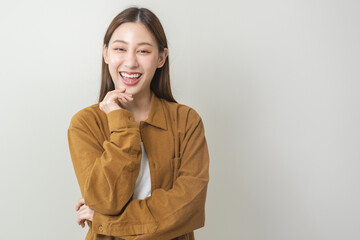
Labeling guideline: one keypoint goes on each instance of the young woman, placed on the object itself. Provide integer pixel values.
(141, 158)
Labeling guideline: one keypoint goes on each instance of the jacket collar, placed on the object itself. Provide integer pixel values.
(156, 115)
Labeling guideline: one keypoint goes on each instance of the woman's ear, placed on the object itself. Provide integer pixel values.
(105, 55)
(162, 57)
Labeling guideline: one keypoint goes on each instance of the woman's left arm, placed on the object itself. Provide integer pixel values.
(168, 213)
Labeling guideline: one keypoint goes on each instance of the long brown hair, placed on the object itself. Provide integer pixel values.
(160, 83)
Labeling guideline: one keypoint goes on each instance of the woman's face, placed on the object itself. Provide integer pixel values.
(133, 57)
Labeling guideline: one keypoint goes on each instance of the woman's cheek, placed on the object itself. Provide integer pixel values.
(114, 58)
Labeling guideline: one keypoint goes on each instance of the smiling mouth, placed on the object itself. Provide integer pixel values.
(130, 77)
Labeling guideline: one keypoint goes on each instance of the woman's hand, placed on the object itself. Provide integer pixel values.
(109, 102)
(84, 212)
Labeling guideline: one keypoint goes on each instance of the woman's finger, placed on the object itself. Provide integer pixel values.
(125, 96)
(110, 95)
(81, 217)
(129, 97)
(117, 94)
(81, 209)
(79, 220)
(82, 223)
(110, 99)
(113, 99)
(80, 202)
(122, 98)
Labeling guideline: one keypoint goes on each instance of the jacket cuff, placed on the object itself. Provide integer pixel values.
(119, 119)
(102, 225)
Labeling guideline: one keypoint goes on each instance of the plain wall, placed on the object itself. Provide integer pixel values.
(276, 83)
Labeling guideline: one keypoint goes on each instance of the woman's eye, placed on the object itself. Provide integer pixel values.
(143, 51)
(120, 49)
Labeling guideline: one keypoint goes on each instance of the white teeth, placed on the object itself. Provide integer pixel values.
(130, 75)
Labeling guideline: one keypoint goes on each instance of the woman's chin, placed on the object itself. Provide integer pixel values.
(129, 89)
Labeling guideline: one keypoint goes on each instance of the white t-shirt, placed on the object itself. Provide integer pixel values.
(143, 182)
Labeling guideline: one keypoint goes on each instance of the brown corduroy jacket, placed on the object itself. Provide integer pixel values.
(106, 154)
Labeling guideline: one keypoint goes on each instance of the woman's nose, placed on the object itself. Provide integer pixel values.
(130, 60)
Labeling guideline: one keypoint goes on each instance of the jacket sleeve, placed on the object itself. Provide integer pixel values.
(168, 214)
(106, 170)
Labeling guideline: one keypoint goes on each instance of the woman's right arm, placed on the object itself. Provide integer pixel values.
(106, 171)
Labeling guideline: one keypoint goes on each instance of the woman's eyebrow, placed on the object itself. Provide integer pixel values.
(141, 43)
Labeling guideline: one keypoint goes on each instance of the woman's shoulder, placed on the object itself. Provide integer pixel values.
(181, 112)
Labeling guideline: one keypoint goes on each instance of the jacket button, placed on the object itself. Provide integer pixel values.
(100, 228)
(131, 118)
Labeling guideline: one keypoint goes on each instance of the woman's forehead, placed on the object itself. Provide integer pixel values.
(132, 33)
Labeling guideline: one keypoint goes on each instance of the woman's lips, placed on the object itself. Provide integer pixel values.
(129, 78)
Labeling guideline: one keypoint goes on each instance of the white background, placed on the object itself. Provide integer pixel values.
(276, 83)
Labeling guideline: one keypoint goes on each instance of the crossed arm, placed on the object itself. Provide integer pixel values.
(107, 174)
